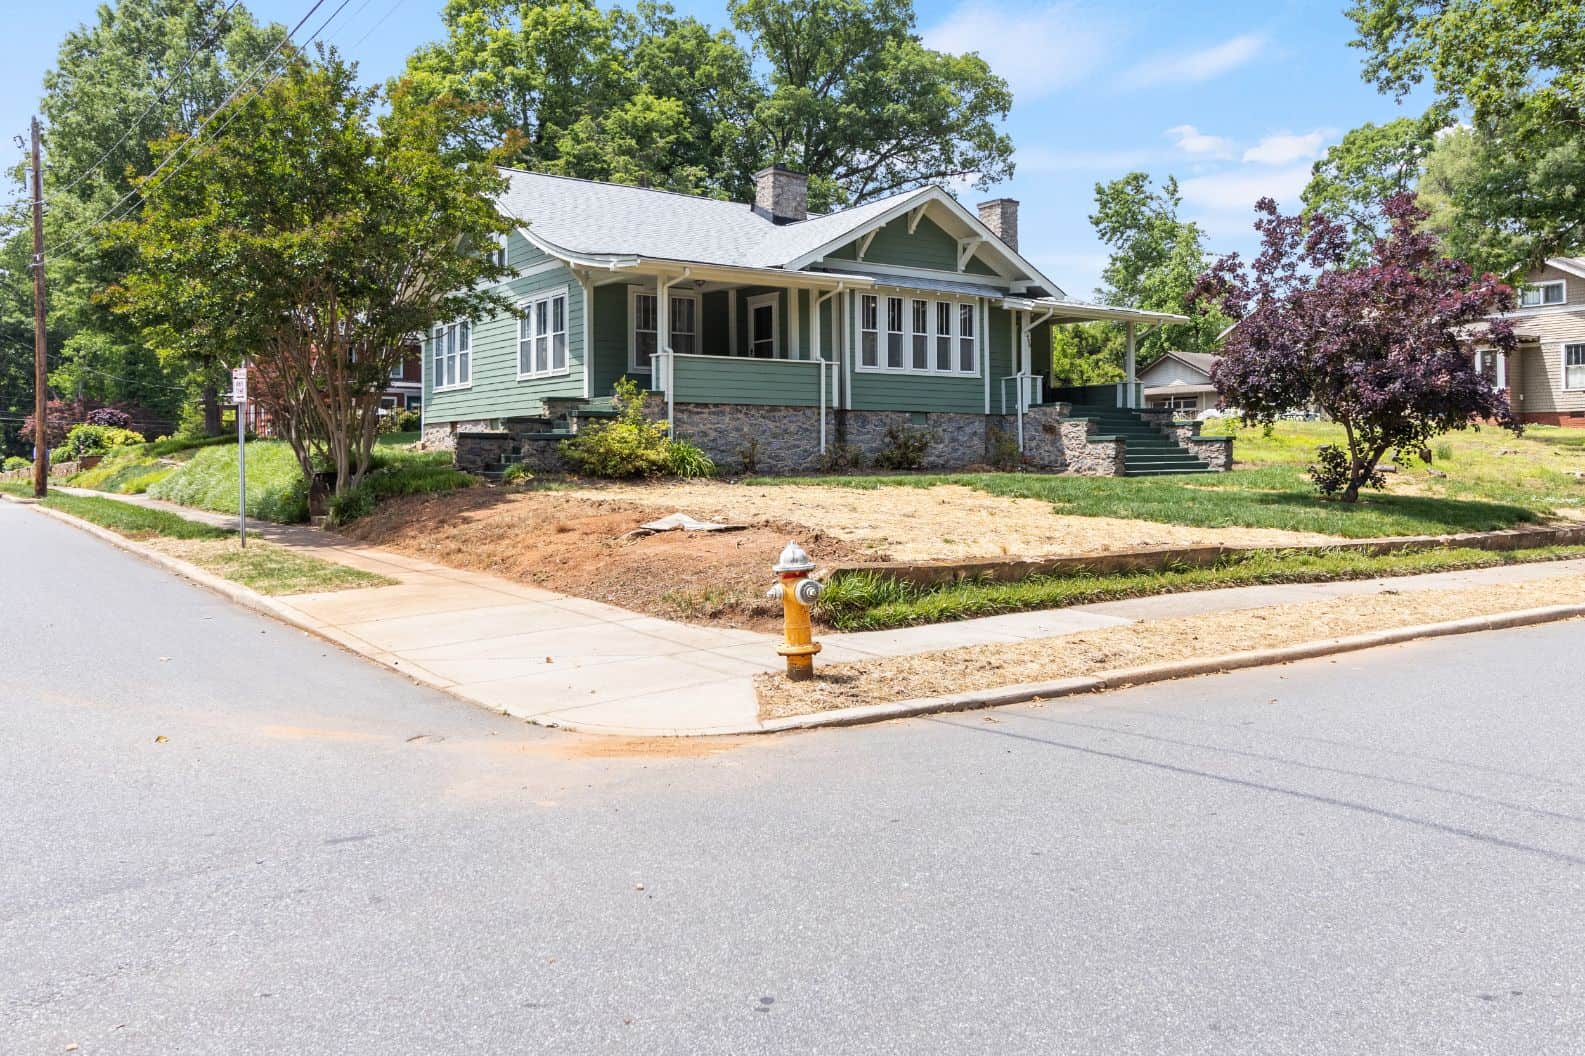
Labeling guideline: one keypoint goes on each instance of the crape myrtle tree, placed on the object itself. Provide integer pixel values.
(315, 239)
(1384, 348)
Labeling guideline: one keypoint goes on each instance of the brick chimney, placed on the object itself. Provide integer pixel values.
(1001, 216)
(781, 195)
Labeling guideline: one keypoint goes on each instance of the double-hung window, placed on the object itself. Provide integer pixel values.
(452, 352)
(542, 335)
(919, 336)
(1542, 294)
(1574, 366)
(644, 341)
(1493, 365)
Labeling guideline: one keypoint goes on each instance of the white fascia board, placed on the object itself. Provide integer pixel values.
(607, 261)
(1565, 265)
(762, 276)
(1077, 310)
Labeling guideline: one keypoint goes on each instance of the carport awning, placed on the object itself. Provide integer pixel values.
(1180, 390)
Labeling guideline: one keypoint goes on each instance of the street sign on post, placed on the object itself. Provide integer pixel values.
(239, 397)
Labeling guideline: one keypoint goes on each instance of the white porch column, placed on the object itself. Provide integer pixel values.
(1130, 370)
(661, 372)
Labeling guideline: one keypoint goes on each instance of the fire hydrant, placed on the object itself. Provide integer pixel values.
(797, 593)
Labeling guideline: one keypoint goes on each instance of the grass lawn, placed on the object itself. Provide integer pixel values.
(261, 566)
(867, 602)
(1493, 480)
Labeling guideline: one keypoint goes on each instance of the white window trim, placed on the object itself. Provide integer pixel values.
(1564, 365)
(503, 250)
(633, 293)
(1561, 283)
(908, 335)
(524, 306)
(774, 301)
(1502, 365)
(431, 356)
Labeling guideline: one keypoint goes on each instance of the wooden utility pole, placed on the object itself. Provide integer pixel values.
(40, 348)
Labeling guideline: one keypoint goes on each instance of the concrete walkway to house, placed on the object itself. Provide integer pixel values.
(566, 661)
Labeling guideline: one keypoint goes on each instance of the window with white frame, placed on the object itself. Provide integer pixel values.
(644, 339)
(498, 255)
(764, 338)
(1543, 294)
(542, 335)
(869, 333)
(1574, 366)
(1493, 365)
(452, 352)
(920, 336)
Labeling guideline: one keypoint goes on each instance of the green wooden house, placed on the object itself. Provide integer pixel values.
(776, 340)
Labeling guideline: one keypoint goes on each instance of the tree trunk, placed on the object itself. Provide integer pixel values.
(211, 398)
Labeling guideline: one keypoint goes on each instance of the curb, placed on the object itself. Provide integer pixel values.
(1014, 694)
(1168, 670)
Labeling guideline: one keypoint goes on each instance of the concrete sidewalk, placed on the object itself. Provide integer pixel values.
(565, 661)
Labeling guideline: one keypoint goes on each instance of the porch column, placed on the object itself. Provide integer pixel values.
(1130, 370)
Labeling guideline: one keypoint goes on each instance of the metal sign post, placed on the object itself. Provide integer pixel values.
(239, 396)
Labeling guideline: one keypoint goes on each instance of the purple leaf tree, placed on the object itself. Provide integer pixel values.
(1385, 349)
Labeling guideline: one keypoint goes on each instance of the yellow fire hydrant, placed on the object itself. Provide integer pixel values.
(797, 593)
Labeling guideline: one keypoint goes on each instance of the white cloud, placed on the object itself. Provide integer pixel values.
(1196, 66)
(1284, 148)
(1238, 190)
(1191, 140)
(1037, 50)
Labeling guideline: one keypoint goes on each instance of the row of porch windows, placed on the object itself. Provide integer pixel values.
(920, 335)
(1494, 366)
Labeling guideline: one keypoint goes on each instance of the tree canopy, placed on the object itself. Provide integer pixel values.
(1514, 73)
(1369, 166)
(316, 238)
(1156, 258)
(842, 90)
(1385, 348)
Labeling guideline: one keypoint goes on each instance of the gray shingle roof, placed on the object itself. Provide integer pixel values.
(597, 219)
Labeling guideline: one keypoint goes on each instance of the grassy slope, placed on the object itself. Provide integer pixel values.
(208, 481)
(261, 566)
(1484, 489)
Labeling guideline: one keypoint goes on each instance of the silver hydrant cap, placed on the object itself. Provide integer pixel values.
(793, 559)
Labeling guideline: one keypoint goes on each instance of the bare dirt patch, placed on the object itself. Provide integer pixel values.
(944, 522)
(577, 541)
(580, 543)
(1115, 648)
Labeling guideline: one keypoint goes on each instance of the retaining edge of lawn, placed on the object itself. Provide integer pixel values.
(1169, 670)
(1155, 558)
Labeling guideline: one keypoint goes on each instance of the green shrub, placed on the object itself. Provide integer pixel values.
(903, 447)
(514, 473)
(14, 463)
(687, 461)
(85, 440)
(1004, 450)
(277, 490)
(415, 473)
(841, 458)
(633, 445)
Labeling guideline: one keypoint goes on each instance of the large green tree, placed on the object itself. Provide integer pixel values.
(1156, 258)
(1514, 72)
(841, 89)
(139, 71)
(853, 98)
(315, 237)
(1368, 166)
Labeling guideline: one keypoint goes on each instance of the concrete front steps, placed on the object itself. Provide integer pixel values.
(1147, 452)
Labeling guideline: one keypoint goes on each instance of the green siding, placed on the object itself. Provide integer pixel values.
(496, 392)
(927, 247)
(610, 339)
(762, 382)
(1001, 357)
(976, 266)
(917, 392)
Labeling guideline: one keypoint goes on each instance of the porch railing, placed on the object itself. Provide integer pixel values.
(692, 378)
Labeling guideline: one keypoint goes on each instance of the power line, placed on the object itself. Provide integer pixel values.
(159, 98)
(198, 133)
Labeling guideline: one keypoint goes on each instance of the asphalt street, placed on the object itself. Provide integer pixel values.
(221, 835)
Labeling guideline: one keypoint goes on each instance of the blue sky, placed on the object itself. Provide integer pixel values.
(1235, 99)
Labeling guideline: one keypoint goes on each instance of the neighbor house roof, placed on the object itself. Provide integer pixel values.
(1200, 361)
(1572, 265)
(605, 222)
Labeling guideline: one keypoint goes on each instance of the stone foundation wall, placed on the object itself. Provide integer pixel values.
(442, 436)
(1215, 451)
(542, 454)
(1087, 457)
(477, 452)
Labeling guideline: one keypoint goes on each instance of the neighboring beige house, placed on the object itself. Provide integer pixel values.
(1545, 378)
(1180, 381)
